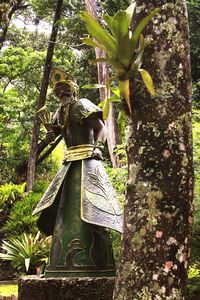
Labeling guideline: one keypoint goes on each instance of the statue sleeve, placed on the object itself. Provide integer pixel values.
(84, 109)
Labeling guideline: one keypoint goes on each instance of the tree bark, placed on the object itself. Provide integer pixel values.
(42, 97)
(102, 68)
(158, 208)
(17, 6)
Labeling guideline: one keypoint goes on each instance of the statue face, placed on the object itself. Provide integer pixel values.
(63, 92)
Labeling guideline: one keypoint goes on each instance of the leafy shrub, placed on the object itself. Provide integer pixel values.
(118, 177)
(193, 287)
(40, 185)
(20, 219)
(26, 252)
(195, 253)
(10, 192)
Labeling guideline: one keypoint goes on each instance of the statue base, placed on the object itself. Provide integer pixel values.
(85, 288)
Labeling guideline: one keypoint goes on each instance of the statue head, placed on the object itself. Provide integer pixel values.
(64, 86)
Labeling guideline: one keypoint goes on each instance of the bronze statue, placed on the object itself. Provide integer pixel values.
(80, 203)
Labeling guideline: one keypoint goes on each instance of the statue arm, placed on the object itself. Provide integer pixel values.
(100, 134)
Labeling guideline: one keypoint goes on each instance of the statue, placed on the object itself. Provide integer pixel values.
(80, 204)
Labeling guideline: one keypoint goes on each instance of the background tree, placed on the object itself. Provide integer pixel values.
(103, 76)
(42, 97)
(158, 207)
(7, 9)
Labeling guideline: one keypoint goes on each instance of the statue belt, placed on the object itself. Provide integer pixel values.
(79, 152)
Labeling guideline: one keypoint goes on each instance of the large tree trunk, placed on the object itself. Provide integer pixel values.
(158, 207)
(42, 97)
(102, 68)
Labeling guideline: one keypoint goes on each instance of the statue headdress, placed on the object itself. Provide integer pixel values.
(60, 76)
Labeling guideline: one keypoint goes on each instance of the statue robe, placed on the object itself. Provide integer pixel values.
(80, 202)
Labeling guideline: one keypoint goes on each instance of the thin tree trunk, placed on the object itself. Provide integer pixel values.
(113, 137)
(158, 209)
(42, 97)
(5, 26)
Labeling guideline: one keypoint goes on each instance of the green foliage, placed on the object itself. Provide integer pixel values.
(196, 95)
(9, 192)
(194, 273)
(195, 259)
(194, 24)
(124, 47)
(26, 252)
(20, 219)
(118, 177)
(193, 290)
(20, 69)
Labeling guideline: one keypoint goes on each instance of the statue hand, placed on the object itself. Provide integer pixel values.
(50, 136)
(97, 154)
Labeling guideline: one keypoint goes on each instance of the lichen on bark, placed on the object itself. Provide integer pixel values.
(158, 206)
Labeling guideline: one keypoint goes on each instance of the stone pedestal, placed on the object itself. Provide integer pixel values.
(66, 288)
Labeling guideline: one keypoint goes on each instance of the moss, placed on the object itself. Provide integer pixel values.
(154, 213)
(137, 240)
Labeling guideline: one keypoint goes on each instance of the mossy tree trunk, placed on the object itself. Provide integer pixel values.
(158, 207)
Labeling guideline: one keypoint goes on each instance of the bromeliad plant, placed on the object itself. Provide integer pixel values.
(27, 252)
(123, 46)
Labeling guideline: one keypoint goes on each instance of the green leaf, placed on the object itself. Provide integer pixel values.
(125, 51)
(125, 92)
(99, 33)
(142, 24)
(93, 86)
(146, 77)
(109, 20)
(141, 43)
(137, 60)
(114, 98)
(116, 91)
(129, 11)
(106, 109)
(121, 121)
(115, 63)
(89, 42)
(101, 104)
(120, 24)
